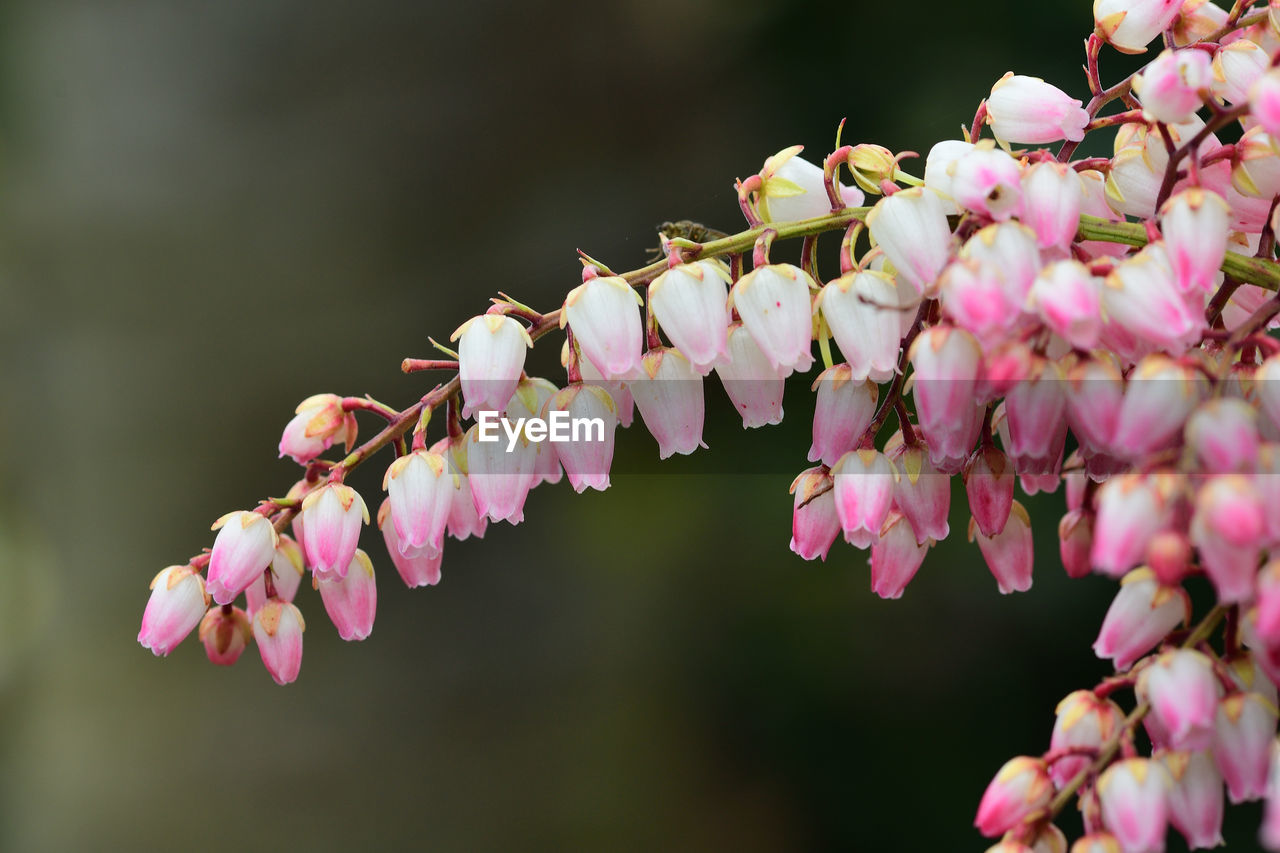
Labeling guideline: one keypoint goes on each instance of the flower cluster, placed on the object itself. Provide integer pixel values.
(1016, 316)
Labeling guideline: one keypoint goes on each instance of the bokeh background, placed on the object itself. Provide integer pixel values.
(209, 211)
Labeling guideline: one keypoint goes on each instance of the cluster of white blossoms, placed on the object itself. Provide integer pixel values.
(1016, 316)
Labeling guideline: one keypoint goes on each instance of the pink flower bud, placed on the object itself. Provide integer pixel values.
(491, 351)
(501, 473)
(938, 168)
(1009, 845)
(1034, 413)
(1195, 797)
(1195, 224)
(690, 302)
(973, 296)
(176, 605)
(1017, 794)
(1141, 295)
(896, 556)
(988, 484)
(1142, 614)
(619, 392)
(864, 483)
(1003, 367)
(1133, 794)
(1244, 729)
(319, 422)
(245, 546)
(1235, 68)
(923, 493)
(1011, 248)
(1183, 692)
(1097, 842)
(1029, 110)
(1170, 87)
(287, 569)
(1169, 556)
(1158, 398)
(863, 311)
(602, 315)
(775, 307)
(794, 188)
(842, 413)
(1095, 395)
(587, 457)
(1009, 554)
(352, 600)
(464, 521)
(1132, 508)
(752, 383)
(420, 487)
(911, 228)
(332, 514)
(277, 628)
(1068, 300)
(1223, 433)
(947, 364)
(987, 180)
(419, 567)
(1227, 529)
(1130, 25)
(814, 521)
(530, 398)
(1052, 195)
(1075, 540)
(1084, 721)
(1264, 101)
(671, 401)
(225, 631)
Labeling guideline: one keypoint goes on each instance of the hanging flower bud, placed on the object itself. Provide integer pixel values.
(1130, 25)
(690, 304)
(491, 350)
(1018, 793)
(947, 364)
(1052, 194)
(1132, 508)
(842, 413)
(501, 473)
(332, 515)
(871, 165)
(1029, 110)
(619, 392)
(586, 458)
(793, 188)
(863, 311)
(530, 398)
(896, 556)
(1034, 417)
(602, 314)
(352, 600)
(1235, 68)
(938, 169)
(774, 304)
(750, 380)
(1169, 556)
(988, 484)
(671, 401)
(1171, 85)
(176, 605)
(1068, 299)
(1195, 797)
(464, 521)
(1223, 433)
(1195, 224)
(225, 631)
(1264, 101)
(864, 482)
(1183, 692)
(1227, 529)
(287, 569)
(1158, 398)
(419, 567)
(245, 546)
(1011, 248)
(1097, 842)
(987, 180)
(1142, 614)
(1133, 794)
(419, 486)
(1009, 554)
(974, 297)
(1244, 730)
(277, 628)
(319, 422)
(923, 493)
(1075, 541)
(1141, 295)
(1084, 721)
(814, 521)
(911, 228)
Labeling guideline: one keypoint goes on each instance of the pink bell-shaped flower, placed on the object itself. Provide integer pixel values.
(776, 309)
(1097, 842)
(814, 520)
(175, 608)
(319, 422)
(245, 546)
(1075, 540)
(988, 181)
(352, 600)
(1009, 554)
(225, 631)
(988, 483)
(602, 314)
(528, 401)
(1196, 224)
(1084, 721)
(1052, 195)
(1134, 796)
(1141, 295)
(1223, 432)
(1132, 508)
(287, 569)
(938, 169)
(1019, 791)
(1010, 248)
(1264, 101)
(1227, 529)
(864, 484)
(793, 188)
(332, 515)
(911, 228)
(501, 473)
(671, 401)
(922, 493)
(588, 454)
(1029, 110)
(1095, 391)
(419, 567)
(1170, 86)
(947, 364)
(844, 409)
(1158, 398)
(1067, 298)
(974, 297)
(896, 556)
(491, 351)
(752, 383)
(277, 629)
(1244, 730)
(420, 488)
(690, 302)
(864, 310)
(1130, 25)
(1142, 614)
(1183, 692)
(1195, 797)
(464, 521)
(1034, 413)
(618, 391)
(1235, 68)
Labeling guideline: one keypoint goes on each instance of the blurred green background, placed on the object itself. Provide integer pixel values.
(212, 211)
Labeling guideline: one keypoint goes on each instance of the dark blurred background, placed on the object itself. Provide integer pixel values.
(212, 211)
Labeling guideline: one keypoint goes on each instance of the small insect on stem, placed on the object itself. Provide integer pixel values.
(689, 230)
